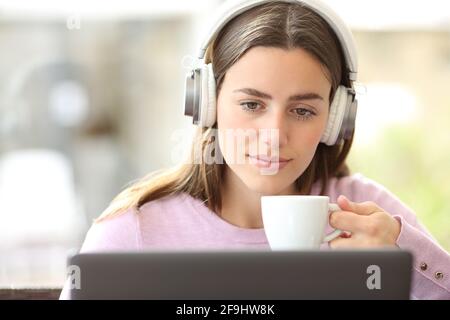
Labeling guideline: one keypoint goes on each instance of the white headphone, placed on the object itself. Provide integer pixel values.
(200, 90)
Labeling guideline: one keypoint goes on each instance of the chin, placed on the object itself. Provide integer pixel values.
(267, 185)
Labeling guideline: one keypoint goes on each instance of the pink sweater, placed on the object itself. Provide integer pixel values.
(183, 222)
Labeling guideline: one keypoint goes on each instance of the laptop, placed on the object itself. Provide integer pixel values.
(242, 275)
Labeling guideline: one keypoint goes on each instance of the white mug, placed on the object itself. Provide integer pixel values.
(294, 222)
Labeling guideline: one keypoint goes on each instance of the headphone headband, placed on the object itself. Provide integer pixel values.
(231, 9)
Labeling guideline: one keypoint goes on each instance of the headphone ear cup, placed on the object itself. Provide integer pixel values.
(211, 107)
(208, 97)
(335, 117)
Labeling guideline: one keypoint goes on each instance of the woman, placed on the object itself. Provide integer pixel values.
(277, 65)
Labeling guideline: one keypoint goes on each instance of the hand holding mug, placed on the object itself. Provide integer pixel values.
(370, 226)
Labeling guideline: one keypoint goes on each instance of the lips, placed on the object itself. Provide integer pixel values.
(269, 159)
(268, 162)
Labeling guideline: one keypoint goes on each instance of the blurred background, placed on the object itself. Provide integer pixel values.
(91, 98)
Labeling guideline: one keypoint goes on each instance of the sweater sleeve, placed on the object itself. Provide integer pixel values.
(431, 263)
(119, 233)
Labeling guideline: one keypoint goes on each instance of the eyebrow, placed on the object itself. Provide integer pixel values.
(302, 96)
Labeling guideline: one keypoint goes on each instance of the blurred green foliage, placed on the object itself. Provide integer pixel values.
(415, 167)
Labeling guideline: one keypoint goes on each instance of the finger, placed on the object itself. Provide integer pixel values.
(359, 242)
(342, 243)
(362, 208)
(348, 221)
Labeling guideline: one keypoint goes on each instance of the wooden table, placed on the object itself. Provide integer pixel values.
(30, 293)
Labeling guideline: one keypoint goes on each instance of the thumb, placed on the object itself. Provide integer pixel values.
(363, 208)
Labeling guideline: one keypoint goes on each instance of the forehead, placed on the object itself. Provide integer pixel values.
(275, 68)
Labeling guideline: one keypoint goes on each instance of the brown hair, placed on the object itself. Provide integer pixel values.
(275, 24)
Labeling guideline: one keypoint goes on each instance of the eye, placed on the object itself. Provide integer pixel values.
(250, 106)
(303, 114)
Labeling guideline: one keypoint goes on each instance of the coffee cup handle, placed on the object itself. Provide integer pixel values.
(336, 233)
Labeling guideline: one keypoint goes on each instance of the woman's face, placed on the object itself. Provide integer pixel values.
(257, 100)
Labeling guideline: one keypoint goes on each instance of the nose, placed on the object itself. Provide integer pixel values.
(275, 129)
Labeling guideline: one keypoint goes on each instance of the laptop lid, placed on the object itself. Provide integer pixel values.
(252, 275)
